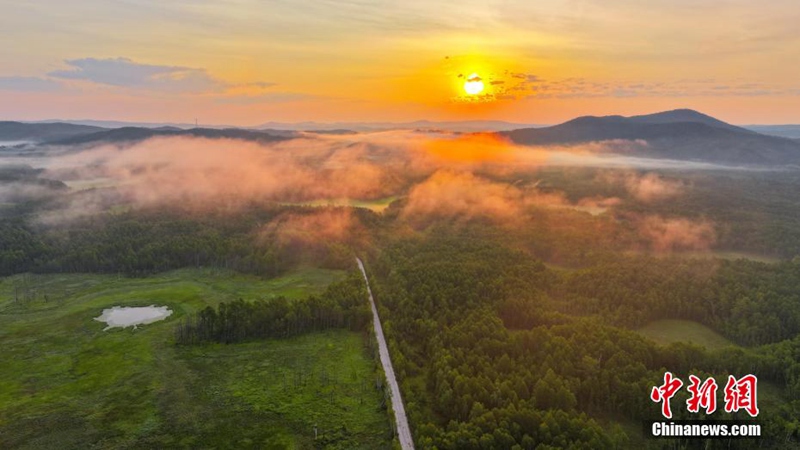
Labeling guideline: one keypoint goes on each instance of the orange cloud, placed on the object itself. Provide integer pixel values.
(677, 233)
(315, 226)
(463, 195)
(651, 187)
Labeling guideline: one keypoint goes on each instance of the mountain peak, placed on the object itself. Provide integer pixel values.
(681, 134)
(683, 115)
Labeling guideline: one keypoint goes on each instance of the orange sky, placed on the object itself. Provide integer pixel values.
(245, 62)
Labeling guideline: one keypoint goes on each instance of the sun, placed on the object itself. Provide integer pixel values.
(473, 85)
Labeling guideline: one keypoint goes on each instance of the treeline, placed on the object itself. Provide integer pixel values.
(132, 245)
(749, 302)
(752, 211)
(490, 358)
(143, 242)
(342, 305)
(468, 381)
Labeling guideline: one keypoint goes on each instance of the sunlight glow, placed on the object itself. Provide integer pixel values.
(473, 85)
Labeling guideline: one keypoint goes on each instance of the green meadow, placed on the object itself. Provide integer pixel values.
(377, 205)
(65, 383)
(666, 332)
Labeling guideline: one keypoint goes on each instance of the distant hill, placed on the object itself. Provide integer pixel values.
(681, 134)
(22, 176)
(684, 115)
(319, 127)
(41, 132)
(123, 124)
(787, 131)
(133, 134)
(462, 126)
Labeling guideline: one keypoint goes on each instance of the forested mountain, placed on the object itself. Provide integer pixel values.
(787, 131)
(684, 115)
(458, 126)
(681, 135)
(42, 132)
(133, 134)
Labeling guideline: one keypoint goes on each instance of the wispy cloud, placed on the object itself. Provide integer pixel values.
(531, 86)
(124, 73)
(28, 84)
(128, 73)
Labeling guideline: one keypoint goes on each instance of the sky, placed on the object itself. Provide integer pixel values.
(246, 62)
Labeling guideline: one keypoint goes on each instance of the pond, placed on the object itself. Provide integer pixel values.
(125, 316)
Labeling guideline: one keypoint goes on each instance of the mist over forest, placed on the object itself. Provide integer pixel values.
(533, 284)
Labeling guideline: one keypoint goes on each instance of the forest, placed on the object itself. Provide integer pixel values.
(503, 337)
(138, 243)
(497, 351)
(340, 306)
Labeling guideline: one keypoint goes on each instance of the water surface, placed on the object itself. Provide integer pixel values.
(125, 316)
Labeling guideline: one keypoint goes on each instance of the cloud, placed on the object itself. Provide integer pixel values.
(480, 148)
(317, 226)
(124, 72)
(449, 194)
(671, 234)
(459, 177)
(581, 88)
(465, 196)
(128, 74)
(197, 174)
(648, 188)
(438, 175)
(597, 205)
(21, 192)
(521, 85)
(651, 187)
(360, 166)
(28, 84)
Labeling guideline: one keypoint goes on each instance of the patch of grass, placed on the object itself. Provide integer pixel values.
(377, 205)
(732, 256)
(293, 385)
(668, 331)
(710, 254)
(65, 383)
(192, 288)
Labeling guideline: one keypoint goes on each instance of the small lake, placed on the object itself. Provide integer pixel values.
(125, 316)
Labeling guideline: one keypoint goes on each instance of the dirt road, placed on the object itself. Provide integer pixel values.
(403, 431)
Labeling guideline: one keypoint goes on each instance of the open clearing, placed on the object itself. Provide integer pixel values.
(377, 205)
(668, 331)
(65, 383)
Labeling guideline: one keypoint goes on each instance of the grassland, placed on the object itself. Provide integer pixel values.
(711, 254)
(732, 256)
(65, 383)
(668, 331)
(377, 205)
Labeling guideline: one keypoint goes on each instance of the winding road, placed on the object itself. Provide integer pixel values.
(403, 431)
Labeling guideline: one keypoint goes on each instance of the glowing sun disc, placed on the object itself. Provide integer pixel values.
(473, 85)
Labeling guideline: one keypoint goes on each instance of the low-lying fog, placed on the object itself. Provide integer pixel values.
(440, 174)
